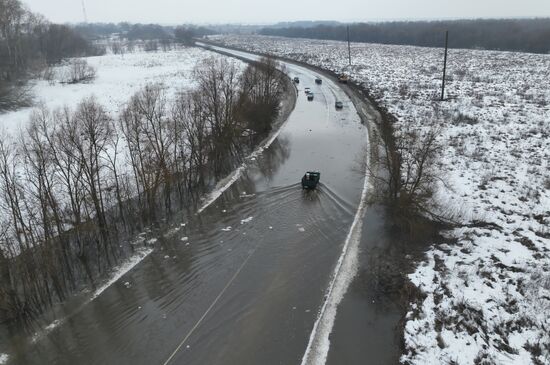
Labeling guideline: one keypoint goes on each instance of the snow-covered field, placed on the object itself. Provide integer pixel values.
(487, 296)
(118, 78)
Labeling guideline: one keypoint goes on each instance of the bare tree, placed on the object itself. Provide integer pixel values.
(407, 173)
(190, 117)
(89, 139)
(151, 46)
(144, 126)
(263, 83)
(78, 71)
(117, 48)
(218, 84)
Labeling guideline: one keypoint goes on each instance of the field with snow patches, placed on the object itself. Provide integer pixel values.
(486, 298)
(118, 78)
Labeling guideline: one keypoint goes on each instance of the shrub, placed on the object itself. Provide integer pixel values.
(78, 71)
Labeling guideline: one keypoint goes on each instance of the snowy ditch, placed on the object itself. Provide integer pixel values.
(485, 298)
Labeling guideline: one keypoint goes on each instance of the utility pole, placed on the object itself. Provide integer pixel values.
(444, 66)
(84, 12)
(349, 48)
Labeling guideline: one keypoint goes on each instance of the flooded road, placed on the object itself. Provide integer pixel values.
(243, 281)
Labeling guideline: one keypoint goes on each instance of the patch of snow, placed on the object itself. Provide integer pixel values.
(227, 229)
(122, 270)
(3, 359)
(246, 220)
(222, 186)
(172, 232)
(47, 330)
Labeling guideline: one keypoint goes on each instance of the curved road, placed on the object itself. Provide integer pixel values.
(248, 285)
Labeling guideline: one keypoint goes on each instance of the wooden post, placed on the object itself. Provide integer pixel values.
(349, 48)
(444, 66)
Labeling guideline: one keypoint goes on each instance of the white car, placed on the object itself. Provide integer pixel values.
(307, 90)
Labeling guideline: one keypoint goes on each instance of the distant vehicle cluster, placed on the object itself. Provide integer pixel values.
(343, 78)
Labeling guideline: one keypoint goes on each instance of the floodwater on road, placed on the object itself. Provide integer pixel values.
(242, 282)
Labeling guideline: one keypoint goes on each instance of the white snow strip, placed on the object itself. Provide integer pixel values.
(246, 220)
(222, 187)
(346, 268)
(122, 270)
(49, 328)
(3, 359)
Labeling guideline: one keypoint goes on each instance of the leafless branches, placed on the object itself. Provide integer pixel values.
(77, 181)
(406, 174)
(78, 71)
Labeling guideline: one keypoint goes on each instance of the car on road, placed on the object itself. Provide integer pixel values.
(338, 104)
(311, 179)
(307, 90)
(310, 96)
(296, 80)
(318, 81)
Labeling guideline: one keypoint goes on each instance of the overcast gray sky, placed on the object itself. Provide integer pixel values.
(260, 11)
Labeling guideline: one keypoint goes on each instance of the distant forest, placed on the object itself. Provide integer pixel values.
(94, 31)
(524, 35)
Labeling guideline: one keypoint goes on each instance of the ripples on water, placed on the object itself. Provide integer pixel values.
(171, 287)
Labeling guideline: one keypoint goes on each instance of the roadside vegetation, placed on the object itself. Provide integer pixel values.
(79, 181)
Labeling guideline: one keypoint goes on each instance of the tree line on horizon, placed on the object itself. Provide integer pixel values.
(523, 35)
(138, 31)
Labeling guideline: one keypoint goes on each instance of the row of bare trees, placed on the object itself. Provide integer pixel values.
(77, 182)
